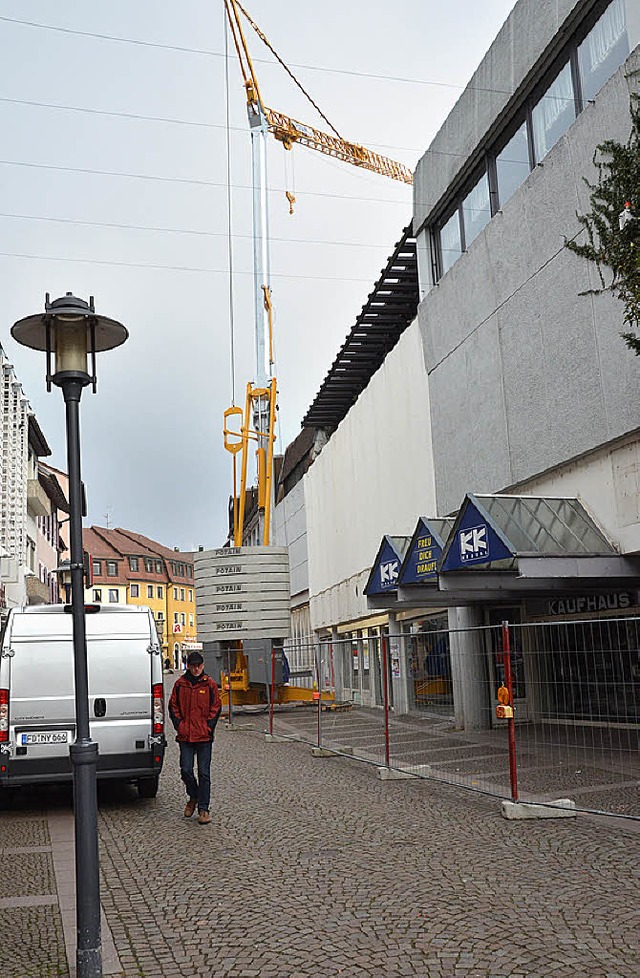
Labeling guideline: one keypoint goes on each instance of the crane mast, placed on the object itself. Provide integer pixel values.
(257, 421)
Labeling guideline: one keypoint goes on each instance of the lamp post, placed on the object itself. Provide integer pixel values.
(71, 331)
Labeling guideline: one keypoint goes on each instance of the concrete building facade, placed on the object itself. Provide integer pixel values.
(510, 379)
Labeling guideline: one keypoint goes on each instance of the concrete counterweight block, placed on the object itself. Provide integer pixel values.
(518, 810)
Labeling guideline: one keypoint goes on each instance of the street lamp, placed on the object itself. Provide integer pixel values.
(71, 331)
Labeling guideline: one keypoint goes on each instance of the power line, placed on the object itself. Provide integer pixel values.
(168, 120)
(189, 181)
(166, 230)
(174, 268)
(183, 49)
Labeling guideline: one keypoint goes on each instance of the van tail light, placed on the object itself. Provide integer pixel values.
(4, 716)
(158, 708)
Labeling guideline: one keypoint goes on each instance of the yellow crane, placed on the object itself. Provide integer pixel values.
(257, 421)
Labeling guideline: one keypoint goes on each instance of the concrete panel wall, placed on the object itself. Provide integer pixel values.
(524, 372)
(525, 36)
(374, 476)
(608, 481)
(290, 530)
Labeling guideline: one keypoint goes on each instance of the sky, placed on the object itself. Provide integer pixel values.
(126, 175)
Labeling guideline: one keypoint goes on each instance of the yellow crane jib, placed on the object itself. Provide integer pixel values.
(290, 131)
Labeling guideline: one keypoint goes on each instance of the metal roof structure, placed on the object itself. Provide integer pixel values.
(389, 309)
(547, 525)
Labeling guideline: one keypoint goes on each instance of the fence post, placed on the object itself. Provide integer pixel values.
(318, 691)
(511, 723)
(273, 688)
(385, 696)
(229, 693)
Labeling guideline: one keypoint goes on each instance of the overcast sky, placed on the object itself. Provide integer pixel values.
(114, 184)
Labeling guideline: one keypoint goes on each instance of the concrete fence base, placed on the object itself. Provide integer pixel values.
(518, 810)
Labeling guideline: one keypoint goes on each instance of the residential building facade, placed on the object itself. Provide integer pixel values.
(129, 568)
(29, 530)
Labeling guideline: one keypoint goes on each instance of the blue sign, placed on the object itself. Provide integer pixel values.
(421, 563)
(475, 540)
(386, 569)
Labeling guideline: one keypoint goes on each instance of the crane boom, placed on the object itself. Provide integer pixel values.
(290, 131)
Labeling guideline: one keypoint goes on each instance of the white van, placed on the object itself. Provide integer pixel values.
(37, 699)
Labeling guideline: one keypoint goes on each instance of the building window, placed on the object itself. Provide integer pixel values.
(183, 618)
(513, 165)
(476, 210)
(160, 591)
(182, 594)
(160, 616)
(97, 594)
(603, 50)
(133, 563)
(191, 621)
(97, 568)
(554, 113)
(190, 595)
(148, 565)
(149, 590)
(134, 590)
(450, 242)
(158, 567)
(175, 618)
(175, 594)
(112, 568)
(585, 68)
(114, 597)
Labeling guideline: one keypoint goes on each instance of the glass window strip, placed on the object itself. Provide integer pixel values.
(607, 39)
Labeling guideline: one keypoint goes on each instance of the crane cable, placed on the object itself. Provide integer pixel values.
(266, 41)
(229, 218)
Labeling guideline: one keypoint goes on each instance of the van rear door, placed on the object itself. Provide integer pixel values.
(41, 687)
(119, 650)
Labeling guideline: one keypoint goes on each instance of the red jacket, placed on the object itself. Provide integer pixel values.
(194, 708)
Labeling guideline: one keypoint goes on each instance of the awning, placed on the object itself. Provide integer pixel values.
(383, 579)
(503, 549)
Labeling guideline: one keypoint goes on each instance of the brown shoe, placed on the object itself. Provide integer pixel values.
(190, 807)
(204, 818)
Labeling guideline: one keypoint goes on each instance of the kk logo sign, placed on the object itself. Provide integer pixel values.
(474, 544)
(389, 573)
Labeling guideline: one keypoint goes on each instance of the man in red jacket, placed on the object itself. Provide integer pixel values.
(194, 709)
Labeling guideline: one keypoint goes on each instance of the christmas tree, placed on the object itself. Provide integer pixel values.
(613, 225)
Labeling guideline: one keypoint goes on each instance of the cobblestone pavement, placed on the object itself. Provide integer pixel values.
(599, 770)
(314, 868)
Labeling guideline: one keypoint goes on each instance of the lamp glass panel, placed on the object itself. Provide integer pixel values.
(70, 345)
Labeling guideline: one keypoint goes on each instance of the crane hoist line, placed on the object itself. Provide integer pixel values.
(256, 423)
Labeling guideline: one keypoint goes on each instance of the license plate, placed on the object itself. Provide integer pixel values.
(59, 737)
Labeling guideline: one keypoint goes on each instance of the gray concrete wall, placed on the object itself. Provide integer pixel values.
(524, 373)
(529, 31)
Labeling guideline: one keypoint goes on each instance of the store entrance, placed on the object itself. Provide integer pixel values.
(589, 670)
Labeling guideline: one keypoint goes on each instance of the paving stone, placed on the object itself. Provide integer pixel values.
(319, 870)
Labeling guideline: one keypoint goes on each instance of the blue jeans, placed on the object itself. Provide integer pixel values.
(200, 789)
